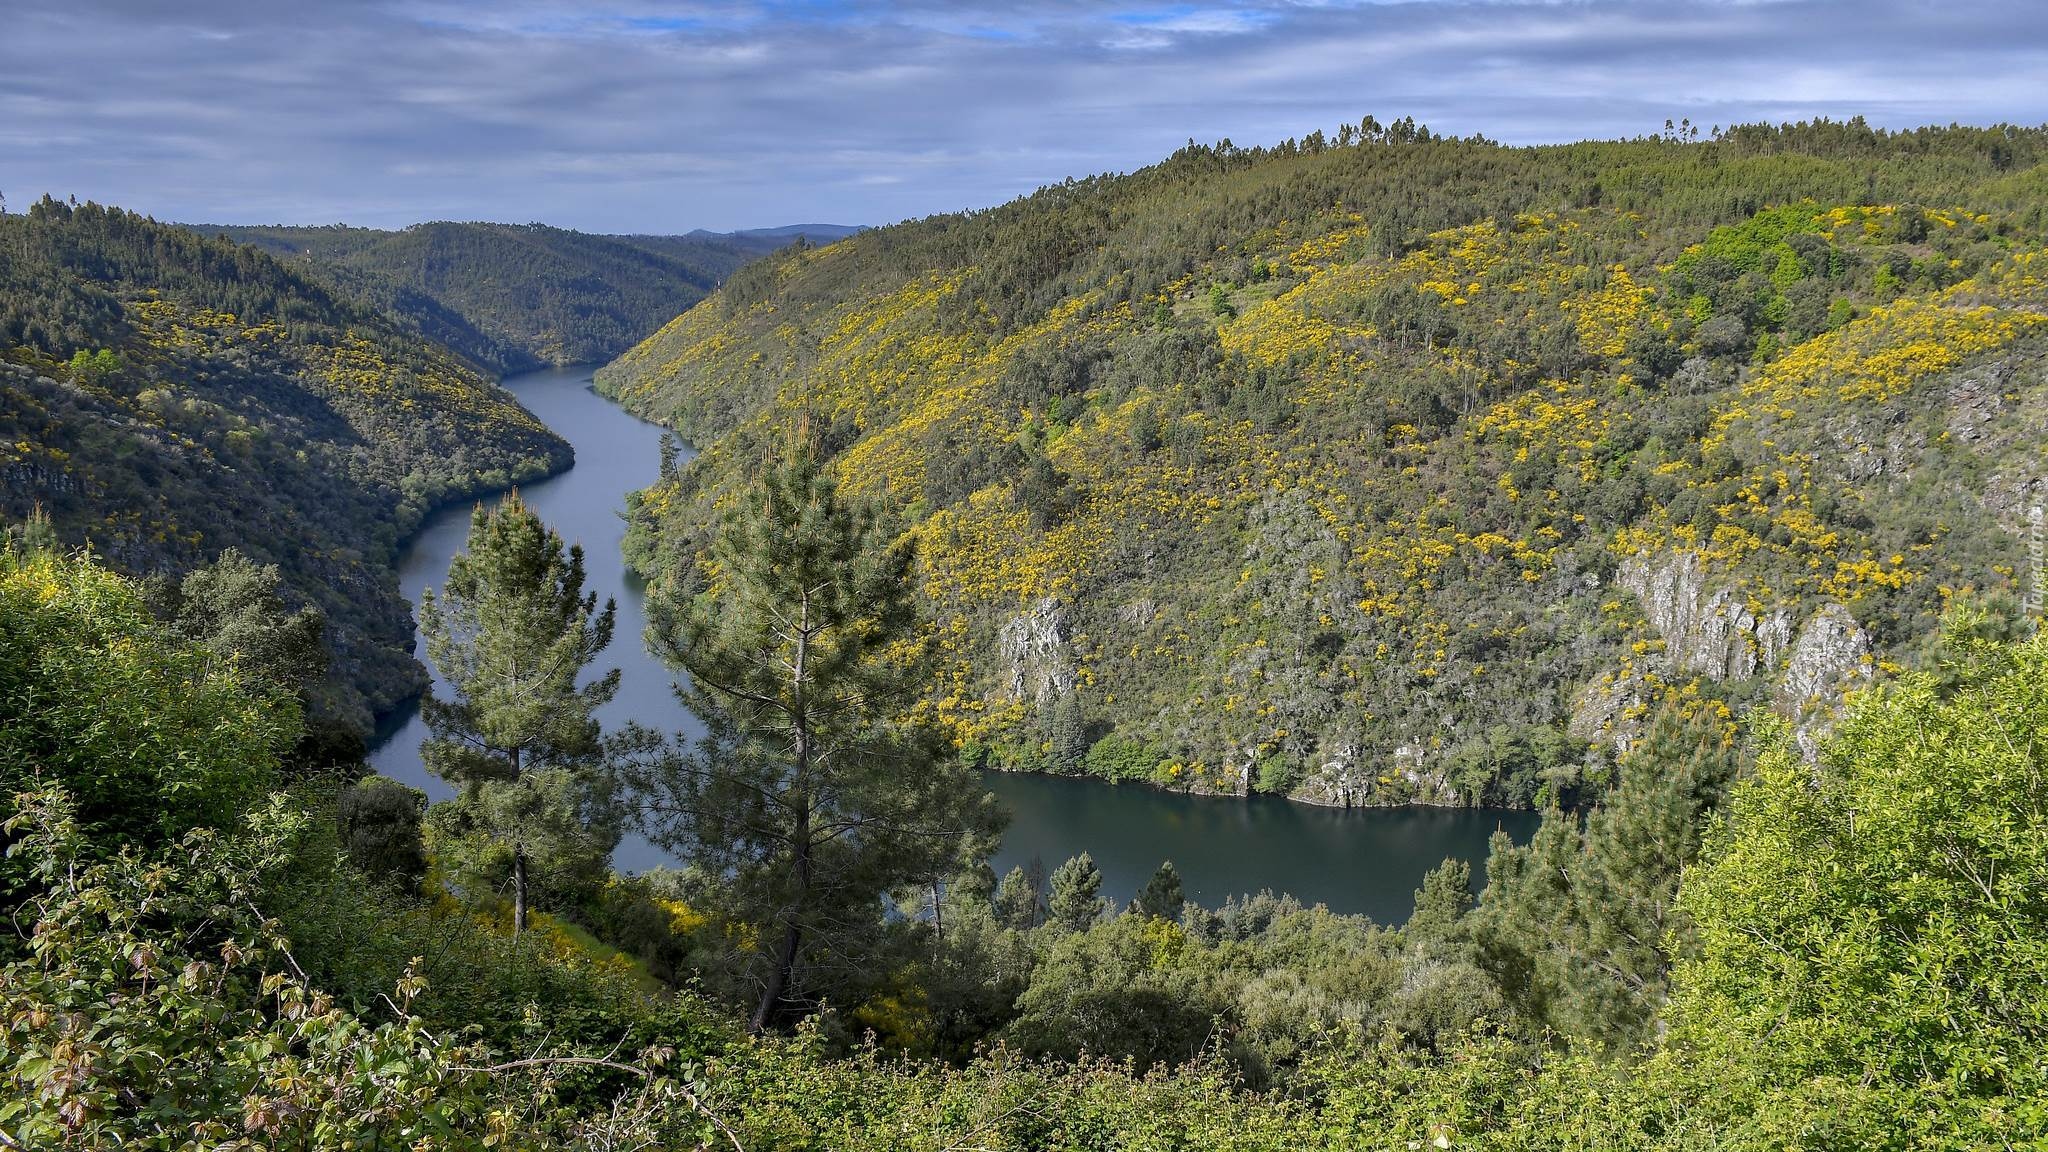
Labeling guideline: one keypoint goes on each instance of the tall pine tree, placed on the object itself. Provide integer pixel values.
(1161, 897)
(813, 790)
(512, 631)
(1575, 927)
(1077, 899)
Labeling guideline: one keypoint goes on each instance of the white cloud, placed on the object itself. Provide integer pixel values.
(651, 115)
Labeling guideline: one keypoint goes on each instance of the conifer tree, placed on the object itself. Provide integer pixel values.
(1441, 902)
(511, 632)
(1575, 926)
(1018, 902)
(813, 789)
(1077, 893)
(1069, 734)
(35, 534)
(1161, 897)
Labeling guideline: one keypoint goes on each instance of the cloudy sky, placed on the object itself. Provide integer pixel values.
(658, 116)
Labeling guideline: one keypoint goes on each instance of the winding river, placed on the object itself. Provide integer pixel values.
(1360, 860)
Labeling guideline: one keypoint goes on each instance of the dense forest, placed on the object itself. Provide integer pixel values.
(165, 397)
(1380, 467)
(513, 298)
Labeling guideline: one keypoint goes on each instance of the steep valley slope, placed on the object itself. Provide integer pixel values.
(1382, 467)
(513, 297)
(165, 396)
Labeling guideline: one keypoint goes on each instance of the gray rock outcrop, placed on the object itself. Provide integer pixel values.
(1033, 650)
(1708, 631)
(1831, 657)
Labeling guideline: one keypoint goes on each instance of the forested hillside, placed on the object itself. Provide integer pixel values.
(1382, 467)
(165, 396)
(516, 297)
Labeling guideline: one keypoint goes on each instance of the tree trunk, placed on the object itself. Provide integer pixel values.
(766, 1011)
(800, 836)
(518, 889)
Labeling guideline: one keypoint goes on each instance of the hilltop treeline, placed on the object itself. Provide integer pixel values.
(165, 396)
(1379, 466)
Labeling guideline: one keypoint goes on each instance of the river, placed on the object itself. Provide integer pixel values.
(1359, 860)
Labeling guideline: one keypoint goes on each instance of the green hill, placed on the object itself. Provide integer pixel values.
(511, 297)
(1385, 467)
(164, 396)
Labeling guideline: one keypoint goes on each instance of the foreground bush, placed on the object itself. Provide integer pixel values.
(157, 1007)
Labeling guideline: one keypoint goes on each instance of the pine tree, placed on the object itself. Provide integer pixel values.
(1018, 903)
(671, 452)
(1077, 894)
(35, 534)
(511, 631)
(1637, 842)
(1069, 734)
(813, 789)
(1575, 926)
(1161, 897)
(1441, 902)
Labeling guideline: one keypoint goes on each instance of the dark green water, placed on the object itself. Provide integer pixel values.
(1362, 860)
(1356, 860)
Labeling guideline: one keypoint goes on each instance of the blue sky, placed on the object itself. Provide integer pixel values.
(652, 116)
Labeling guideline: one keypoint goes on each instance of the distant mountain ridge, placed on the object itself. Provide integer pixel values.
(513, 297)
(815, 233)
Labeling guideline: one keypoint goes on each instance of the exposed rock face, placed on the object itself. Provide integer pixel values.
(1831, 657)
(1987, 414)
(1406, 777)
(1708, 632)
(1033, 649)
(1607, 710)
(1338, 783)
(1977, 403)
(1139, 613)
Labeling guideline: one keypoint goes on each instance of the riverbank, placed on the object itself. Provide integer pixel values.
(1366, 860)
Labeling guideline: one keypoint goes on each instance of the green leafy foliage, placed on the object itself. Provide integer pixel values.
(157, 1007)
(148, 1000)
(1854, 957)
(378, 821)
(1871, 957)
(148, 738)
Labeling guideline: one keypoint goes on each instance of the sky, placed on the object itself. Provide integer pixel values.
(656, 116)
